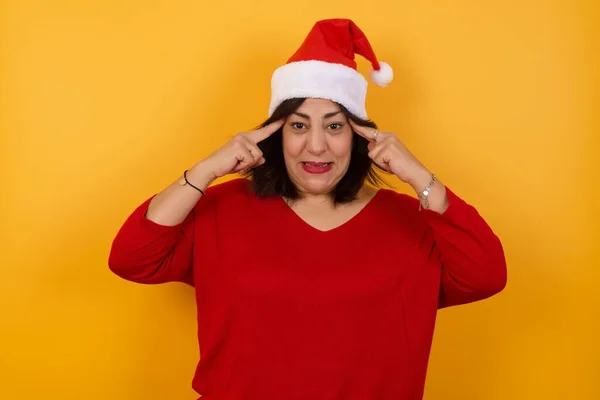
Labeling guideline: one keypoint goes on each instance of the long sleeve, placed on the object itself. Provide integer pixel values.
(146, 252)
(472, 256)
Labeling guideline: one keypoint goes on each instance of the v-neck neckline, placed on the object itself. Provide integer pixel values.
(295, 218)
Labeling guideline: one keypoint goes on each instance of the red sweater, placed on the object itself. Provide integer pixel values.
(286, 311)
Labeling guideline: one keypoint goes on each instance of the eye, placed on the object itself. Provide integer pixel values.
(298, 125)
(336, 126)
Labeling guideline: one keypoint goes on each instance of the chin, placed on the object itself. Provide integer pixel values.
(318, 184)
(317, 187)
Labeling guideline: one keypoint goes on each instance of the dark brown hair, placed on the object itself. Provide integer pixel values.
(272, 179)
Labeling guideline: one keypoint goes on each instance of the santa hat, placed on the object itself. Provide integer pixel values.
(324, 67)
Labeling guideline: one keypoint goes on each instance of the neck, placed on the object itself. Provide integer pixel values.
(312, 200)
(323, 200)
(317, 200)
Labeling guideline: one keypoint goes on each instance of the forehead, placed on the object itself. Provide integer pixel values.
(318, 107)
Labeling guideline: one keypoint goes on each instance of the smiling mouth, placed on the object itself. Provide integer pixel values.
(317, 164)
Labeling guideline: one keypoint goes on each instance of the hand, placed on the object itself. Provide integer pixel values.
(240, 153)
(388, 152)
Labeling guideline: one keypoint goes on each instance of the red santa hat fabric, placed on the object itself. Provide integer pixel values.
(324, 66)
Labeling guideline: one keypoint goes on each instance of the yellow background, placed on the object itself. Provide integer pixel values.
(103, 103)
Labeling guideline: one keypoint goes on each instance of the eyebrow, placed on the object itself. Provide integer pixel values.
(328, 115)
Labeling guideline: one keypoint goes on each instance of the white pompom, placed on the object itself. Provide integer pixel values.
(383, 76)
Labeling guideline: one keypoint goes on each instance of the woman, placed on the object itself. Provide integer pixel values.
(311, 284)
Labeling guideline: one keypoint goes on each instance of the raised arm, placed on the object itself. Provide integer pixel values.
(471, 255)
(155, 244)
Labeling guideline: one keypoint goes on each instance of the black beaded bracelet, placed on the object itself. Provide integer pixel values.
(185, 181)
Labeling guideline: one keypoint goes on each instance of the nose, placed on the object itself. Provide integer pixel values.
(316, 141)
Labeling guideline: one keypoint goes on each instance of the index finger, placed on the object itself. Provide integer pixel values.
(363, 131)
(266, 131)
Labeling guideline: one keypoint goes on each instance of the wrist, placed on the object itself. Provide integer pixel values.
(200, 175)
(421, 179)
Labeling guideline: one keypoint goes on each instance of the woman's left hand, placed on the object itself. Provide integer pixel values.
(387, 151)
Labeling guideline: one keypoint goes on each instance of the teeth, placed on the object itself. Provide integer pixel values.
(317, 164)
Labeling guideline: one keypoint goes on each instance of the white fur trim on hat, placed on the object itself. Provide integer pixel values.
(318, 79)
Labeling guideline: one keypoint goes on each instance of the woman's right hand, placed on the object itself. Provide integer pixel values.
(173, 204)
(238, 154)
